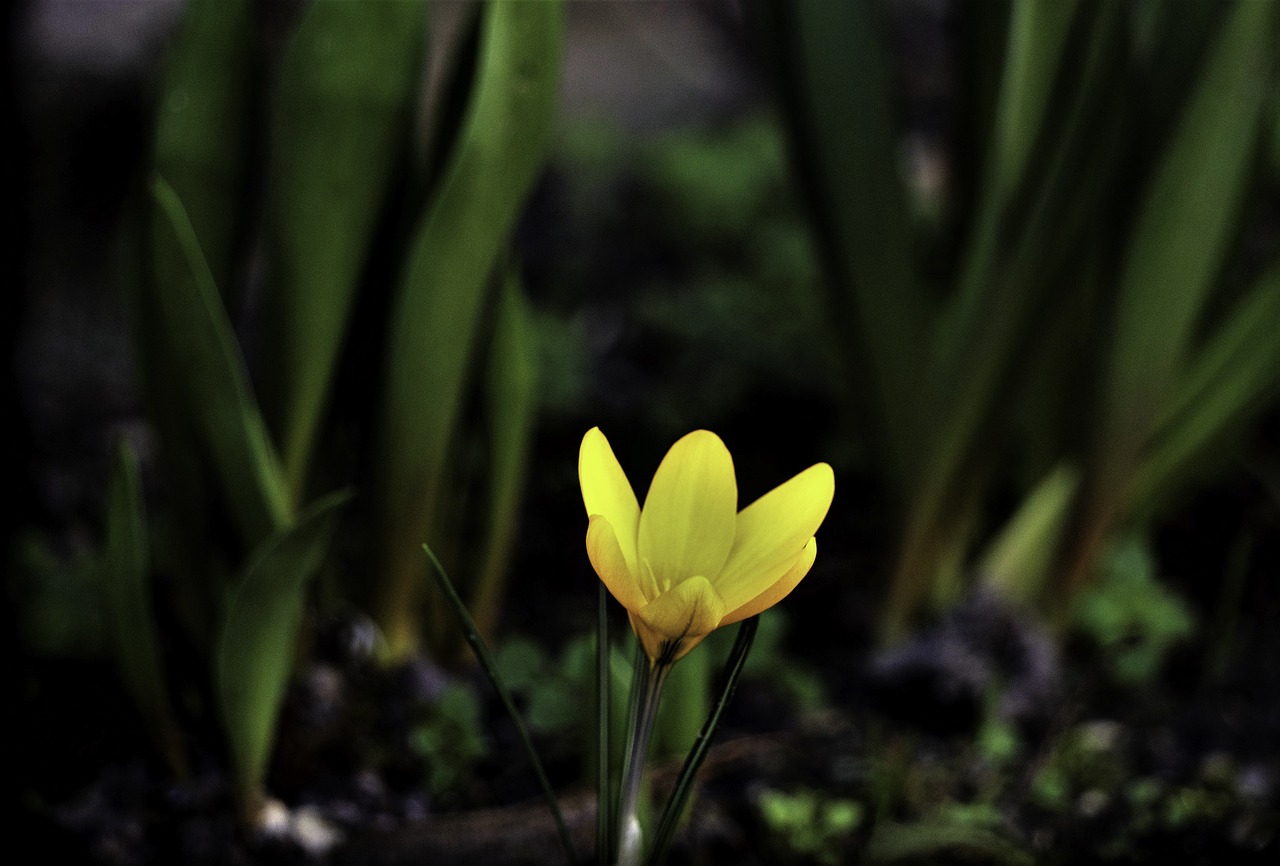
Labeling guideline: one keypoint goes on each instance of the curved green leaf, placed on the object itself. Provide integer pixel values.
(1184, 228)
(342, 112)
(203, 131)
(835, 85)
(196, 347)
(436, 317)
(127, 593)
(1231, 377)
(255, 653)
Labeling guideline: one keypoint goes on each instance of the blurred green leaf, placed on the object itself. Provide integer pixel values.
(938, 839)
(204, 127)
(1133, 619)
(195, 347)
(342, 113)
(1183, 230)
(436, 316)
(1036, 41)
(835, 83)
(452, 740)
(511, 392)
(1232, 376)
(255, 654)
(127, 595)
(1019, 560)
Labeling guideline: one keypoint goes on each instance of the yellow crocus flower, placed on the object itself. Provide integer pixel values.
(689, 561)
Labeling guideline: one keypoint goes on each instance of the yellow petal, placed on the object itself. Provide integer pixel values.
(607, 559)
(780, 589)
(687, 524)
(607, 492)
(772, 531)
(676, 621)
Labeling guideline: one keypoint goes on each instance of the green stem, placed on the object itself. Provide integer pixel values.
(646, 710)
(478, 646)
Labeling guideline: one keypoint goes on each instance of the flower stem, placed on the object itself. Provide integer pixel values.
(646, 711)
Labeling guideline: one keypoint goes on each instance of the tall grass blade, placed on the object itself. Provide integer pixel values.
(197, 349)
(684, 784)
(1183, 230)
(1037, 39)
(478, 646)
(127, 594)
(835, 83)
(256, 652)
(1235, 375)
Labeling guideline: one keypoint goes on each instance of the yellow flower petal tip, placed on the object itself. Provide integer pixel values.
(689, 562)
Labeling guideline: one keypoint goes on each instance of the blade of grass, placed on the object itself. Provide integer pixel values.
(481, 650)
(256, 651)
(684, 784)
(1180, 238)
(130, 612)
(1236, 374)
(994, 317)
(835, 86)
(1183, 231)
(1037, 37)
(435, 318)
(203, 128)
(198, 349)
(342, 112)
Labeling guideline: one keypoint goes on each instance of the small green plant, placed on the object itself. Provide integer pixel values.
(451, 739)
(808, 827)
(1130, 616)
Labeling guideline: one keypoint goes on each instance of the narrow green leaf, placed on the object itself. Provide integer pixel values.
(436, 316)
(1019, 560)
(684, 783)
(130, 614)
(203, 132)
(835, 86)
(196, 347)
(342, 113)
(478, 646)
(1037, 36)
(256, 651)
(1236, 374)
(511, 409)
(1183, 230)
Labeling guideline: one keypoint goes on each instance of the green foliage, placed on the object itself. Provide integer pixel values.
(434, 326)
(296, 245)
(742, 309)
(127, 596)
(50, 593)
(451, 739)
(1132, 618)
(1097, 322)
(256, 648)
(550, 691)
(805, 825)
